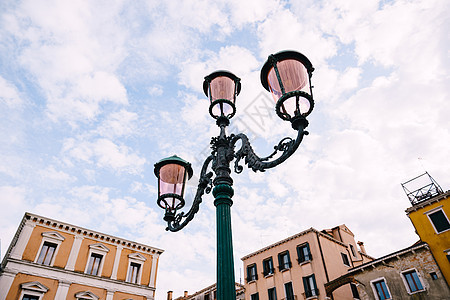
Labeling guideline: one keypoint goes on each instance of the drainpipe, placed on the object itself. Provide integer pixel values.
(323, 261)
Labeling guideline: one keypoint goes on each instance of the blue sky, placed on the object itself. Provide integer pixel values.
(92, 94)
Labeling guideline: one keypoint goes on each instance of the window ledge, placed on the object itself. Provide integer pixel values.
(268, 275)
(417, 292)
(251, 281)
(305, 262)
(284, 270)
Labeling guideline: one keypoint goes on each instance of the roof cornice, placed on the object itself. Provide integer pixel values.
(420, 205)
(310, 230)
(101, 237)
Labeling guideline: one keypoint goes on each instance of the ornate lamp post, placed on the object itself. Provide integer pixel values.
(287, 75)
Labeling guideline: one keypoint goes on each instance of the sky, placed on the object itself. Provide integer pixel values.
(94, 93)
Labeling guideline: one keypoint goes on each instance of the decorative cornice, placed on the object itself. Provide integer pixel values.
(101, 237)
(310, 230)
(30, 268)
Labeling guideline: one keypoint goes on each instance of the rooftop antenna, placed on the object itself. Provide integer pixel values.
(421, 188)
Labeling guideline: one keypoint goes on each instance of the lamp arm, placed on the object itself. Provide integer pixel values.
(287, 145)
(204, 186)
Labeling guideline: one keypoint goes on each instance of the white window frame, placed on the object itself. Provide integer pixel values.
(33, 288)
(348, 259)
(136, 258)
(374, 290)
(405, 282)
(99, 249)
(352, 250)
(86, 295)
(436, 209)
(51, 237)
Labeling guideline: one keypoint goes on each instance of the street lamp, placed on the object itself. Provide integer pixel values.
(287, 75)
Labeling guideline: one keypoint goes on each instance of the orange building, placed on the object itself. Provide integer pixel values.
(299, 266)
(49, 259)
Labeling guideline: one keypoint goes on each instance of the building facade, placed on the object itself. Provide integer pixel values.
(209, 293)
(49, 259)
(410, 273)
(298, 267)
(430, 218)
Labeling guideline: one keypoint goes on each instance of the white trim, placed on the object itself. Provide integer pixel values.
(402, 275)
(79, 278)
(22, 240)
(6, 280)
(74, 252)
(374, 290)
(152, 282)
(63, 289)
(434, 210)
(33, 288)
(51, 237)
(116, 262)
(99, 249)
(86, 295)
(139, 259)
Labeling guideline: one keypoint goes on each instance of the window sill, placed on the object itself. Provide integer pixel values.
(417, 292)
(284, 270)
(305, 262)
(251, 281)
(268, 275)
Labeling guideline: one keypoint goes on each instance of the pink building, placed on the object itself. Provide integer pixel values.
(299, 266)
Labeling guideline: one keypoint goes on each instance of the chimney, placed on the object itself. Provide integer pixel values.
(169, 295)
(361, 247)
(185, 294)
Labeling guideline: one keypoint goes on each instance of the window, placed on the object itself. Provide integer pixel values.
(94, 264)
(30, 297)
(381, 289)
(254, 296)
(86, 296)
(133, 272)
(309, 284)
(135, 262)
(284, 261)
(97, 252)
(272, 293)
(251, 273)
(47, 251)
(303, 252)
(355, 292)
(206, 297)
(352, 249)
(289, 291)
(49, 248)
(345, 259)
(268, 266)
(433, 275)
(32, 291)
(412, 281)
(439, 220)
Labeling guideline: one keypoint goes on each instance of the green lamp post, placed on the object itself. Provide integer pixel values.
(287, 75)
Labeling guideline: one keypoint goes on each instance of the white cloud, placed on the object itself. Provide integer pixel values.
(9, 95)
(104, 153)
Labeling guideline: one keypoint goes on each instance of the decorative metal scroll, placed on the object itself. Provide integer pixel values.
(204, 186)
(287, 146)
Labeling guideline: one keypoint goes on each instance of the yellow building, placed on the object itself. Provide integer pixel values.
(430, 217)
(49, 259)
